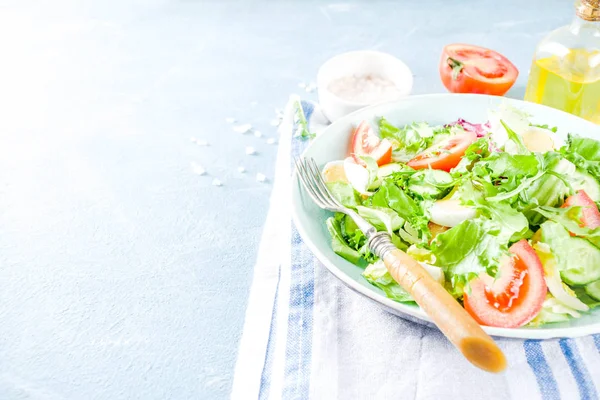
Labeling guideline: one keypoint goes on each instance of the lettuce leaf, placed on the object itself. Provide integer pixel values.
(378, 275)
(382, 218)
(344, 193)
(584, 153)
(338, 244)
(468, 249)
(391, 196)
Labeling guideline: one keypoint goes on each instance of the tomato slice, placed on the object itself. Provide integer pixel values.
(590, 216)
(513, 299)
(365, 142)
(444, 155)
(472, 69)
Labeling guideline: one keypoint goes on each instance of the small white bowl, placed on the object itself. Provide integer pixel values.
(358, 63)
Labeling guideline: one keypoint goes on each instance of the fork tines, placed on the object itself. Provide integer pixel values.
(313, 182)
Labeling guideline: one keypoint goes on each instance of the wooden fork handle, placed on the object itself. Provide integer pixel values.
(450, 317)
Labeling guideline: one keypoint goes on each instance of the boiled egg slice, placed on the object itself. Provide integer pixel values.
(450, 212)
(540, 140)
(357, 175)
(334, 172)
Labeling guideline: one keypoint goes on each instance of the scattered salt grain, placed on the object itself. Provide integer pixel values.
(250, 150)
(258, 133)
(230, 120)
(271, 141)
(365, 89)
(310, 88)
(244, 128)
(261, 177)
(202, 143)
(241, 170)
(198, 169)
(193, 139)
(275, 122)
(217, 182)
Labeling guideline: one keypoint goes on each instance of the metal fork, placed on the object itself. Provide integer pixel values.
(450, 317)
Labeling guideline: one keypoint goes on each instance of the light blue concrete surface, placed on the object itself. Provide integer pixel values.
(122, 273)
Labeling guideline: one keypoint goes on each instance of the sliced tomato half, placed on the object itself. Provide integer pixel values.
(466, 68)
(444, 155)
(365, 142)
(590, 216)
(515, 297)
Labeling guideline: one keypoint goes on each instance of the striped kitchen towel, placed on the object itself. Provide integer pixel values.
(307, 336)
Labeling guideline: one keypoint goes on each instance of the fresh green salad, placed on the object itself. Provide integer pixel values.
(503, 214)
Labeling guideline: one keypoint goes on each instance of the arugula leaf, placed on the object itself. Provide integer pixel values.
(550, 189)
(584, 153)
(516, 139)
(302, 130)
(554, 129)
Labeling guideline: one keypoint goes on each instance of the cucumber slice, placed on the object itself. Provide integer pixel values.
(578, 260)
(593, 290)
(586, 182)
(582, 263)
(388, 169)
(430, 183)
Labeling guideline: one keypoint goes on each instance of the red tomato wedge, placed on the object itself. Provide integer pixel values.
(365, 142)
(472, 69)
(513, 299)
(590, 216)
(444, 155)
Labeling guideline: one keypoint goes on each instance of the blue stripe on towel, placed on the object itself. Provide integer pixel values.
(587, 390)
(597, 342)
(265, 379)
(299, 347)
(543, 374)
(298, 353)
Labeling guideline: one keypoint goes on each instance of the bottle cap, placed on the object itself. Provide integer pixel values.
(588, 10)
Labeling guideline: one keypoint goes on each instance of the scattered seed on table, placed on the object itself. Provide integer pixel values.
(244, 128)
(241, 169)
(250, 150)
(261, 177)
(258, 133)
(198, 169)
(217, 182)
(202, 143)
(271, 141)
(310, 88)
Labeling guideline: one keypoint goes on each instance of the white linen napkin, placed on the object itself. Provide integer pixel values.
(307, 336)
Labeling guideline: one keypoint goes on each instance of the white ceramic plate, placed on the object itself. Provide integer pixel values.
(436, 109)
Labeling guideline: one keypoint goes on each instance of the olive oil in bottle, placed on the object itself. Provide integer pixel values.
(565, 72)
